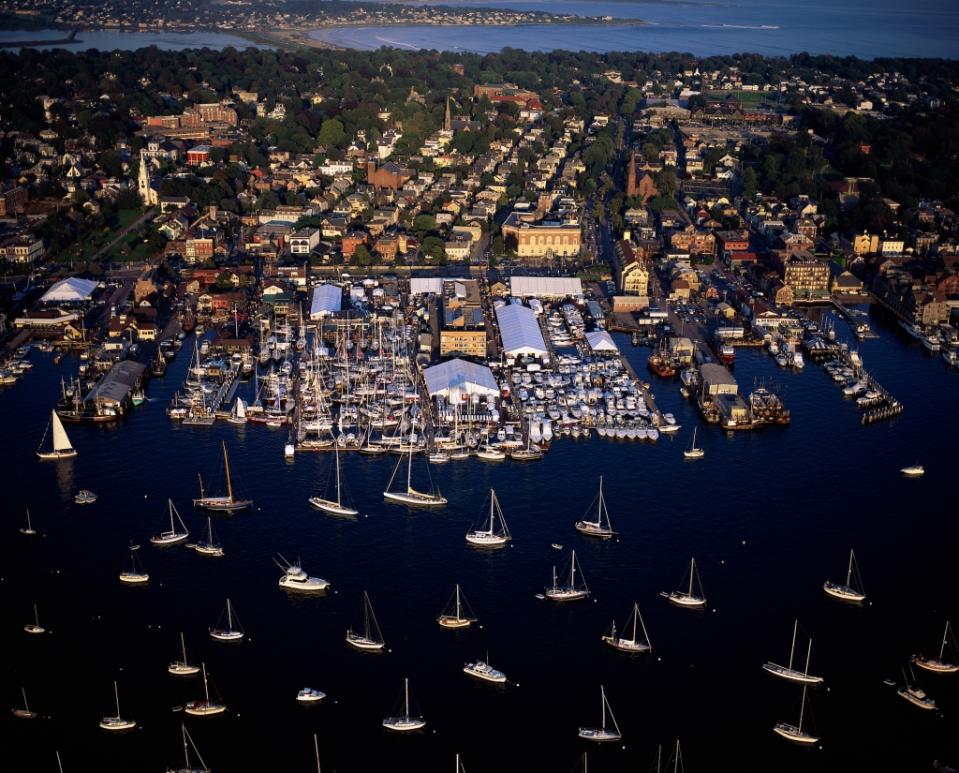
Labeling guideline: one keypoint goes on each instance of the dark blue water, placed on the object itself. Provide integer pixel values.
(112, 40)
(768, 515)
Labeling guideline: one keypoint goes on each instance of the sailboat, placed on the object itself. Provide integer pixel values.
(529, 454)
(939, 665)
(117, 723)
(404, 723)
(692, 452)
(371, 639)
(238, 414)
(495, 534)
(633, 644)
(136, 574)
(28, 531)
(227, 503)
(209, 546)
(790, 673)
(915, 695)
(187, 764)
(182, 667)
(602, 733)
(25, 712)
(171, 537)
(482, 670)
(61, 448)
(457, 613)
(795, 733)
(687, 598)
(411, 496)
(601, 527)
(847, 591)
(572, 590)
(204, 707)
(229, 633)
(35, 627)
(334, 507)
(297, 580)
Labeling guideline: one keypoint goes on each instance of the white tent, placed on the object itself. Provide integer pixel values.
(601, 342)
(327, 299)
(520, 331)
(545, 286)
(70, 290)
(457, 379)
(424, 285)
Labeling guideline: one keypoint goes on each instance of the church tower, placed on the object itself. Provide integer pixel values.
(448, 120)
(631, 175)
(148, 194)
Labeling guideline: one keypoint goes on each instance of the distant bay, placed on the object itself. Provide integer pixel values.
(124, 40)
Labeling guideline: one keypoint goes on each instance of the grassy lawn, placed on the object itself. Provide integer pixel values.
(748, 98)
(126, 216)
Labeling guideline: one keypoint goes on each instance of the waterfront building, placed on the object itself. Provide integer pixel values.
(520, 331)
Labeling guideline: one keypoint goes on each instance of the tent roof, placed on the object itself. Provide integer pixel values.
(327, 299)
(545, 286)
(72, 289)
(459, 375)
(520, 330)
(601, 341)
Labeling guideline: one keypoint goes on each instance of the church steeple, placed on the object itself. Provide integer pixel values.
(631, 175)
(448, 120)
(148, 194)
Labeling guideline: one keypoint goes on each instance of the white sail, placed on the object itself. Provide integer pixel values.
(60, 440)
(240, 408)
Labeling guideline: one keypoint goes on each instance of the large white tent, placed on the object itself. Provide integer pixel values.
(424, 285)
(545, 286)
(456, 380)
(327, 299)
(601, 342)
(70, 290)
(520, 331)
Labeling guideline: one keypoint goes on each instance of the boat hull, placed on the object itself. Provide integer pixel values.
(364, 644)
(591, 529)
(333, 508)
(486, 540)
(685, 600)
(563, 596)
(222, 504)
(130, 578)
(182, 669)
(627, 645)
(203, 709)
(843, 592)
(791, 674)
(415, 500)
(116, 724)
(448, 621)
(935, 666)
(227, 636)
(403, 724)
(55, 456)
(598, 735)
(794, 734)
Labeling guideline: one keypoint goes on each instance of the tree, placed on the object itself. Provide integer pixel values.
(749, 183)
(332, 133)
(666, 182)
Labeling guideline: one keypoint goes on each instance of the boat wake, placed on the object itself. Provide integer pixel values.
(398, 43)
(742, 26)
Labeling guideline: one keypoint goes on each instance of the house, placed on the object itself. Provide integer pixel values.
(304, 241)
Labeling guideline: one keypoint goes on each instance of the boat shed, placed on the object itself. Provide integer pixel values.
(327, 300)
(457, 380)
(426, 285)
(113, 390)
(601, 342)
(546, 286)
(520, 331)
(717, 380)
(70, 290)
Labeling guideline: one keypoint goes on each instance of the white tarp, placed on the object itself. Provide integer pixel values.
(520, 331)
(327, 299)
(424, 285)
(545, 286)
(457, 378)
(70, 290)
(601, 341)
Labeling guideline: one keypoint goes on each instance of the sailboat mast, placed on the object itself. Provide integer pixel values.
(26, 705)
(457, 602)
(572, 571)
(229, 615)
(635, 617)
(692, 572)
(599, 503)
(226, 466)
(409, 464)
(336, 450)
(492, 503)
(206, 687)
(792, 649)
(802, 706)
(316, 750)
(406, 697)
(116, 694)
(183, 645)
(602, 695)
(945, 638)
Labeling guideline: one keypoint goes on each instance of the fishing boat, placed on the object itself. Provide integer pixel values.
(61, 447)
(172, 536)
(371, 638)
(309, 696)
(182, 667)
(405, 722)
(229, 634)
(136, 575)
(603, 733)
(28, 530)
(204, 707)
(411, 496)
(601, 527)
(457, 613)
(481, 669)
(939, 665)
(847, 591)
(227, 503)
(334, 507)
(633, 644)
(693, 452)
(495, 534)
(117, 723)
(35, 628)
(85, 497)
(572, 590)
(788, 672)
(915, 695)
(296, 580)
(188, 766)
(209, 546)
(25, 712)
(688, 598)
(913, 471)
(795, 733)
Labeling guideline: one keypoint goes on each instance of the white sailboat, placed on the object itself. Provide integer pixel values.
(334, 507)
(25, 712)
(633, 644)
(457, 613)
(209, 546)
(692, 452)
(490, 454)
(915, 695)
(492, 533)
(117, 723)
(188, 766)
(136, 575)
(601, 527)
(296, 580)
(483, 671)
(238, 414)
(572, 590)
(61, 448)
(688, 598)
(227, 503)
(913, 471)
(182, 667)
(603, 733)
(795, 733)
(788, 672)
(411, 496)
(171, 536)
(29, 530)
(404, 722)
(371, 638)
(204, 707)
(229, 633)
(847, 591)
(531, 452)
(35, 628)
(939, 665)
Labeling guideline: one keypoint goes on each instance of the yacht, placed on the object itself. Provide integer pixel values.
(334, 506)
(939, 665)
(795, 733)
(228, 634)
(35, 628)
(915, 695)
(411, 496)
(490, 454)
(85, 497)
(28, 530)
(457, 613)
(492, 533)
(297, 580)
(913, 471)
(603, 733)
(370, 639)
(117, 723)
(25, 712)
(572, 590)
(209, 546)
(228, 503)
(693, 452)
(633, 644)
(688, 598)
(204, 707)
(136, 574)
(483, 670)
(788, 672)
(309, 696)
(404, 723)
(601, 526)
(187, 764)
(172, 536)
(847, 591)
(61, 447)
(182, 667)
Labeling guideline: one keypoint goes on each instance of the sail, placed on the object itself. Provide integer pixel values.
(60, 440)
(240, 408)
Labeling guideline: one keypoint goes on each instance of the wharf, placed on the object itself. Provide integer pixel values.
(644, 391)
